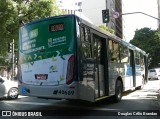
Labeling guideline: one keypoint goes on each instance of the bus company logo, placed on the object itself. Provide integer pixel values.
(50, 42)
(6, 113)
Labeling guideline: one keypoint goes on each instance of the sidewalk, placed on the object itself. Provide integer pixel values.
(154, 86)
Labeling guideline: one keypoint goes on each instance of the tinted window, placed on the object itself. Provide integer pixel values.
(124, 54)
(113, 51)
(86, 42)
(137, 58)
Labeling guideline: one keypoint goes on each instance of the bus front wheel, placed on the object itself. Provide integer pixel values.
(118, 91)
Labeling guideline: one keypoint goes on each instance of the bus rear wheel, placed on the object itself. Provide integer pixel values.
(118, 92)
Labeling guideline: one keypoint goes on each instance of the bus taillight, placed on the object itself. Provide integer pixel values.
(70, 69)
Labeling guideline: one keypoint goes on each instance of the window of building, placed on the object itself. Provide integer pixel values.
(79, 3)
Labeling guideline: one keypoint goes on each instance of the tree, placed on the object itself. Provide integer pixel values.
(149, 41)
(14, 13)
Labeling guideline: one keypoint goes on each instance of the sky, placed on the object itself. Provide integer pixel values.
(133, 21)
(138, 21)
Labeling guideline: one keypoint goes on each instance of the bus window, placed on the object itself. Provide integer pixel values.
(95, 53)
(98, 49)
(113, 51)
(86, 42)
(124, 54)
(137, 58)
(142, 61)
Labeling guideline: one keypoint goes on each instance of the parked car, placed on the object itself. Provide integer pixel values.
(154, 73)
(8, 88)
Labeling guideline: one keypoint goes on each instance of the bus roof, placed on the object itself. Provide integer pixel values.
(48, 18)
(81, 20)
(110, 35)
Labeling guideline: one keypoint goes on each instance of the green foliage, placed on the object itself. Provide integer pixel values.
(149, 41)
(15, 12)
(107, 29)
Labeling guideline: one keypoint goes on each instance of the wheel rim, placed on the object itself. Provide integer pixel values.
(13, 93)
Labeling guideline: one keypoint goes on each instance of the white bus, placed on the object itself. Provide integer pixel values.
(65, 57)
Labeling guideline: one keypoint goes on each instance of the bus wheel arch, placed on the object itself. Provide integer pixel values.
(118, 90)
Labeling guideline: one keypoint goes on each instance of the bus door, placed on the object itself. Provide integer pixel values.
(99, 57)
(132, 65)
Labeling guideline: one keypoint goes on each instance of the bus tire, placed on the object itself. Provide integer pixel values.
(13, 93)
(118, 92)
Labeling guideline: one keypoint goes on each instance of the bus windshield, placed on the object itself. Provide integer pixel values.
(45, 48)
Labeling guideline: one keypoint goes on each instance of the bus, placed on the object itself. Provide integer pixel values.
(66, 57)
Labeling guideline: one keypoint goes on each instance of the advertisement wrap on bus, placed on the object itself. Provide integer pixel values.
(44, 58)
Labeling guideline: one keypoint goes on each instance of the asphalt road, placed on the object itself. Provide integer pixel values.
(139, 104)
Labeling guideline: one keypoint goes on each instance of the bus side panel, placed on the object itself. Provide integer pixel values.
(86, 90)
(138, 75)
(128, 78)
(115, 70)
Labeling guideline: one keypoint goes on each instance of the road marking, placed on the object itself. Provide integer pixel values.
(27, 103)
(21, 96)
(58, 105)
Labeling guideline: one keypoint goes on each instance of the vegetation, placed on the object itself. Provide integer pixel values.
(149, 41)
(107, 29)
(15, 13)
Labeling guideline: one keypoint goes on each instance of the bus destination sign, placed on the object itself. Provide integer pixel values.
(56, 27)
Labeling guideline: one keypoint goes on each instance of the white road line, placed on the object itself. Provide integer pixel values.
(21, 96)
(58, 105)
(27, 103)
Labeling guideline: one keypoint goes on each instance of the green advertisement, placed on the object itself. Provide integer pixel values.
(45, 47)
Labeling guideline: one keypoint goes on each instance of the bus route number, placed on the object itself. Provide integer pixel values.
(64, 92)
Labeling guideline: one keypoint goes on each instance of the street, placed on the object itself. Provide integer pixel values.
(134, 104)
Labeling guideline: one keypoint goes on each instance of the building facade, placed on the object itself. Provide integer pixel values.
(70, 5)
(93, 10)
(115, 6)
(119, 20)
